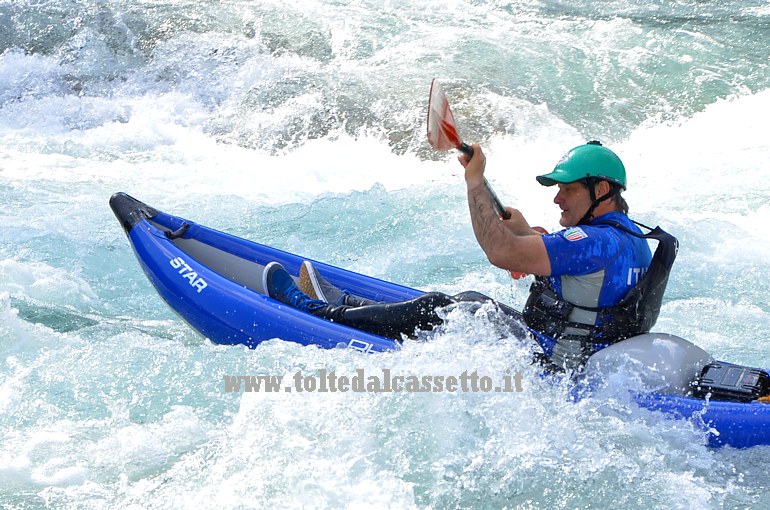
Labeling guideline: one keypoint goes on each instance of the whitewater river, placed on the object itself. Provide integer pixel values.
(302, 125)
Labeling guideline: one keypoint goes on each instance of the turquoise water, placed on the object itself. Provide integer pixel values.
(302, 125)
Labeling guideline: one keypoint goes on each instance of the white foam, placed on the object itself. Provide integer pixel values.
(708, 165)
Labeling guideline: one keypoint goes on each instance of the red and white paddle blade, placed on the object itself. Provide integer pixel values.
(442, 133)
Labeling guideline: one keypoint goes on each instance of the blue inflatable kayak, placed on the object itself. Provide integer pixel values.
(213, 280)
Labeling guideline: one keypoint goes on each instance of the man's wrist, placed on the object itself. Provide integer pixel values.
(474, 181)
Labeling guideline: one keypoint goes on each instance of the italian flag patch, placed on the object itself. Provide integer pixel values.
(574, 234)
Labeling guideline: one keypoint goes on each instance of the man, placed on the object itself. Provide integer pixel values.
(583, 273)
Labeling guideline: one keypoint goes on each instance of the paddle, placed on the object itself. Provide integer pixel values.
(442, 135)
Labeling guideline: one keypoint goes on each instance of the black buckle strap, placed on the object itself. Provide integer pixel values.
(178, 232)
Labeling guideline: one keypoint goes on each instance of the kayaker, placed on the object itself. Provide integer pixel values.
(583, 272)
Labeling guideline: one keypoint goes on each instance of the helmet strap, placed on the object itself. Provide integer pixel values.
(591, 185)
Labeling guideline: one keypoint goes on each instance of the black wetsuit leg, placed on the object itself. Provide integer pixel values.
(393, 320)
(472, 295)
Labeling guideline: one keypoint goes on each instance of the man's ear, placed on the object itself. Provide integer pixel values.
(602, 188)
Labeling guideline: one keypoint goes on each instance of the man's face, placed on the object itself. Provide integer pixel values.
(574, 200)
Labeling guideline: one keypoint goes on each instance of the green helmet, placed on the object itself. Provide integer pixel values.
(591, 160)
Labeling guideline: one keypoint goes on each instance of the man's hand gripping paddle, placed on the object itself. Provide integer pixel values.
(442, 135)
